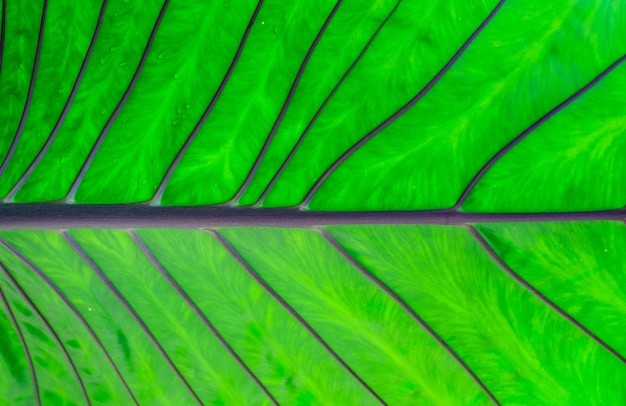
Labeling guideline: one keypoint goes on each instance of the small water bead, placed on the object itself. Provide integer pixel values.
(175, 123)
(176, 76)
(226, 4)
(123, 64)
(161, 56)
(188, 106)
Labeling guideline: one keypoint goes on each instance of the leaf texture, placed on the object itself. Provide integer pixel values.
(331, 106)
(336, 315)
(334, 202)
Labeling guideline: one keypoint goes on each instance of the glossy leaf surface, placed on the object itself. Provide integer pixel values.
(337, 315)
(348, 202)
(348, 105)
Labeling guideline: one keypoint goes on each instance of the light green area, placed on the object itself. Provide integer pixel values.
(98, 376)
(18, 56)
(221, 156)
(524, 351)
(575, 161)
(280, 352)
(13, 364)
(191, 53)
(531, 57)
(579, 266)
(121, 41)
(149, 378)
(68, 29)
(56, 380)
(204, 363)
(370, 331)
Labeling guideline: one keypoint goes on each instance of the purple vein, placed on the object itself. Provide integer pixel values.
(408, 309)
(130, 310)
(403, 110)
(94, 150)
(45, 321)
(322, 107)
(73, 309)
(286, 104)
(156, 199)
(291, 310)
(29, 96)
(515, 141)
(23, 341)
(2, 29)
(66, 108)
(181, 292)
(538, 294)
(36, 216)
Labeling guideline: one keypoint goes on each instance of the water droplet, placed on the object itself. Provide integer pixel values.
(123, 64)
(278, 29)
(188, 106)
(102, 112)
(183, 116)
(175, 123)
(226, 4)
(112, 49)
(176, 76)
(263, 22)
(89, 308)
(161, 56)
(21, 66)
(154, 162)
(103, 61)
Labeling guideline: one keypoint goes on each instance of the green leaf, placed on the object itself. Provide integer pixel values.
(346, 202)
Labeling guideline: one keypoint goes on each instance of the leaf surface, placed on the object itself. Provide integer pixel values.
(350, 202)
